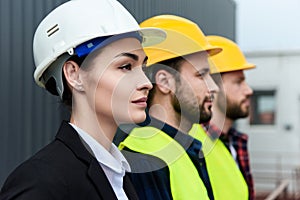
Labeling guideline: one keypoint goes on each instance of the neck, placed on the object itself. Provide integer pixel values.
(220, 120)
(99, 127)
(183, 123)
(166, 113)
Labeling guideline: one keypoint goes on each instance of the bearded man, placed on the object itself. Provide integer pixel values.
(231, 103)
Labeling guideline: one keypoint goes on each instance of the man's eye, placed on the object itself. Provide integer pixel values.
(201, 75)
(126, 67)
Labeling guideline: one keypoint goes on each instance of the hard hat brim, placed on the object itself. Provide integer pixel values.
(213, 50)
(178, 44)
(236, 68)
(152, 36)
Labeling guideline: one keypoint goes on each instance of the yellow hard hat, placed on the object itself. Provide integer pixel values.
(230, 59)
(183, 37)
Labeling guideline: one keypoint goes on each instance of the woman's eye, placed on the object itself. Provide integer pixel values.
(126, 67)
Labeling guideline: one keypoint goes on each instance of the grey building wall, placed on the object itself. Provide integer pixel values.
(29, 116)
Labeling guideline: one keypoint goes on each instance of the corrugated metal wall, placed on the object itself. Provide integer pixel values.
(213, 16)
(29, 116)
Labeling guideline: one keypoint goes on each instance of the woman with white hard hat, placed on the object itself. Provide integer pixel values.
(89, 53)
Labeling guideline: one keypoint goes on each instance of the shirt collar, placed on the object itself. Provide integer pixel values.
(235, 133)
(112, 159)
(215, 133)
(189, 143)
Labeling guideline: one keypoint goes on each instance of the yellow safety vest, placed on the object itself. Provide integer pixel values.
(225, 177)
(185, 181)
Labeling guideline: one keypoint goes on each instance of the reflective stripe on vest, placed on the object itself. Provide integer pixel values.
(185, 181)
(226, 179)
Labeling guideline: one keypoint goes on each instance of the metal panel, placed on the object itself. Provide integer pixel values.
(29, 116)
(213, 16)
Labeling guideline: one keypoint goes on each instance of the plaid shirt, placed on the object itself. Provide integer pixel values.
(239, 142)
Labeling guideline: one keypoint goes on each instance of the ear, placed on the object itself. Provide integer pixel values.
(165, 81)
(71, 71)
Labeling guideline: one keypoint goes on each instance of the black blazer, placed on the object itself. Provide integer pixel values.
(63, 170)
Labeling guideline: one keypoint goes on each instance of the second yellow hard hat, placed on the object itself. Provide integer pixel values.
(183, 37)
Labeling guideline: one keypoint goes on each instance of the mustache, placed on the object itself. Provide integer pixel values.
(247, 98)
(209, 98)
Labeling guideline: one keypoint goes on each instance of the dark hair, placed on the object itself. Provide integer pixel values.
(67, 94)
(50, 85)
(173, 66)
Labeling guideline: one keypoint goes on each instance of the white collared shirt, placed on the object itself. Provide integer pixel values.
(112, 162)
(233, 153)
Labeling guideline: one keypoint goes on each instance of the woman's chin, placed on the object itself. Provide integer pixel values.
(138, 118)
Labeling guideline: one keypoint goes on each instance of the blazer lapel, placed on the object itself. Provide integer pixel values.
(70, 138)
(100, 181)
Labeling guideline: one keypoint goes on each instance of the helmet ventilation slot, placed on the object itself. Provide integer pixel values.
(52, 30)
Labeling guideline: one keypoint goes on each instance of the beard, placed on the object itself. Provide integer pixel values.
(205, 116)
(187, 105)
(233, 109)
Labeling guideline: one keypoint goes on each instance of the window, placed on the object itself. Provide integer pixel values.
(263, 107)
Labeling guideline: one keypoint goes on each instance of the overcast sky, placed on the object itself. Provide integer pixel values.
(268, 25)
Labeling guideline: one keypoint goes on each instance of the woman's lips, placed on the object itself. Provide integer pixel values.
(141, 101)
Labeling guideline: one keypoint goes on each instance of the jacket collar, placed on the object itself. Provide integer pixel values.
(70, 138)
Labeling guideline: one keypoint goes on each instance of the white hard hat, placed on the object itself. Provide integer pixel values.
(76, 22)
